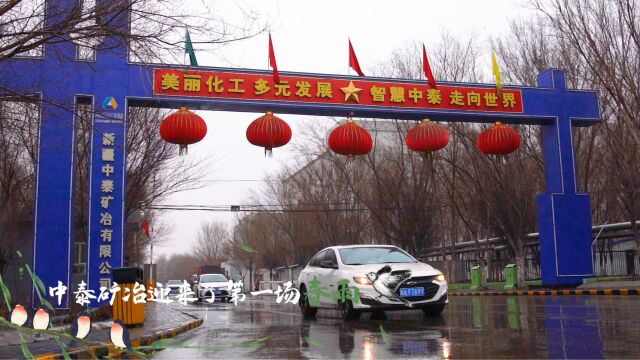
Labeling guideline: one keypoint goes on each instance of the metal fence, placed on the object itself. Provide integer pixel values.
(606, 263)
(616, 263)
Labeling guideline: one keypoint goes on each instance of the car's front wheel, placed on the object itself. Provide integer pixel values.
(433, 310)
(347, 312)
(305, 308)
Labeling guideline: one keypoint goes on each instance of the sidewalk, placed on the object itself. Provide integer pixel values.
(161, 321)
(596, 288)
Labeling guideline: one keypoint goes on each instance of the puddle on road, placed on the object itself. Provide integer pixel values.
(471, 327)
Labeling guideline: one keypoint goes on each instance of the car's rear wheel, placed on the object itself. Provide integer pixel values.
(347, 312)
(433, 310)
(305, 308)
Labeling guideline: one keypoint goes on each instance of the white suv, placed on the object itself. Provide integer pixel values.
(212, 285)
(386, 278)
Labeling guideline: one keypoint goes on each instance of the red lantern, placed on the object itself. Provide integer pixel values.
(183, 128)
(350, 139)
(268, 131)
(427, 136)
(499, 139)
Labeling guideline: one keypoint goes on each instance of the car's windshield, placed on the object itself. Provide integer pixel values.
(174, 282)
(373, 255)
(212, 278)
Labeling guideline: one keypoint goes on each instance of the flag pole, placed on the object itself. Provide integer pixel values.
(349, 63)
(184, 55)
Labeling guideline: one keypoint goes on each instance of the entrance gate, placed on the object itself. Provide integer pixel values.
(111, 84)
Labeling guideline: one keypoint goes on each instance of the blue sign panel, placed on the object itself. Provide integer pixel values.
(106, 221)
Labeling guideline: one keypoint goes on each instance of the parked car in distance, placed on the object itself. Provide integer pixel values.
(212, 285)
(174, 286)
(410, 284)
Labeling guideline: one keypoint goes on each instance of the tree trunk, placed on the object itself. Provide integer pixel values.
(483, 273)
(451, 269)
(520, 269)
(250, 275)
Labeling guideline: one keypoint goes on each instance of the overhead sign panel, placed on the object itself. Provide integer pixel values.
(324, 90)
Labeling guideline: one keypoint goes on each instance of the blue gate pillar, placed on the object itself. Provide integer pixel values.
(564, 216)
(54, 217)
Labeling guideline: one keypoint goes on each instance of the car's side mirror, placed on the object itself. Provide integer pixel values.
(328, 264)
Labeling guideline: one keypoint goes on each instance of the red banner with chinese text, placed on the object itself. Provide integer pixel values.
(303, 89)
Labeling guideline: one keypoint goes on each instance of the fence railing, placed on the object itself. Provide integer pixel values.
(616, 263)
(605, 263)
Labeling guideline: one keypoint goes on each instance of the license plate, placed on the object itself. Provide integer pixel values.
(412, 292)
(217, 292)
(414, 347)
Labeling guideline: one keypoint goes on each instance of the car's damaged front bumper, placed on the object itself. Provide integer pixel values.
(435, 292)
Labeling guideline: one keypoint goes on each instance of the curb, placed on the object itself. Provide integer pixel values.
(107, 349)
(549, 292)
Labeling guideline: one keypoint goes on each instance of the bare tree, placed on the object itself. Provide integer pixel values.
(213, 236)
(152, 30)
(175, 267)
(597, 42)
(242, 251)
(18, 129)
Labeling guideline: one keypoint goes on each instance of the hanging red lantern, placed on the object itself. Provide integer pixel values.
(183, 128)
(427, 136)
(350, 139)
(268, 131)
(499, 139)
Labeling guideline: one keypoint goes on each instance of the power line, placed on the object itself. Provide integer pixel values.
(304, 204)
(237, 208)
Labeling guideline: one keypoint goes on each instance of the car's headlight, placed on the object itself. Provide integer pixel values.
(362, 280)
(440, 277)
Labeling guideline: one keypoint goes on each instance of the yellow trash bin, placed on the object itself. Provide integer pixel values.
(128, 311)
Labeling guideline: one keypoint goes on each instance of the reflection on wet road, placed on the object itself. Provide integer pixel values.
(471, 327)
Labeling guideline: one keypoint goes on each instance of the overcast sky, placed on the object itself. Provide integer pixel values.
(311, 36)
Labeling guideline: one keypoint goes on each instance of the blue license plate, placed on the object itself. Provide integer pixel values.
(412, 292)
(414, 347)
(217, 292)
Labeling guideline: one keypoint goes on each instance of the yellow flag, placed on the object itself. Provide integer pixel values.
(496, 72)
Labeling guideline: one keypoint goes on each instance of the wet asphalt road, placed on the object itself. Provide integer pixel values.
(471, 327)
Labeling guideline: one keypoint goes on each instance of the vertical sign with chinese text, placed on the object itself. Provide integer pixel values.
(106, 228)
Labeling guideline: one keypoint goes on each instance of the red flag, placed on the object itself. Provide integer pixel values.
(145, 227)
(272, 61)
(353, 60)
(427, 69)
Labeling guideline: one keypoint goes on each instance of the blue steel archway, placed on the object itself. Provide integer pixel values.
(112, 84)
